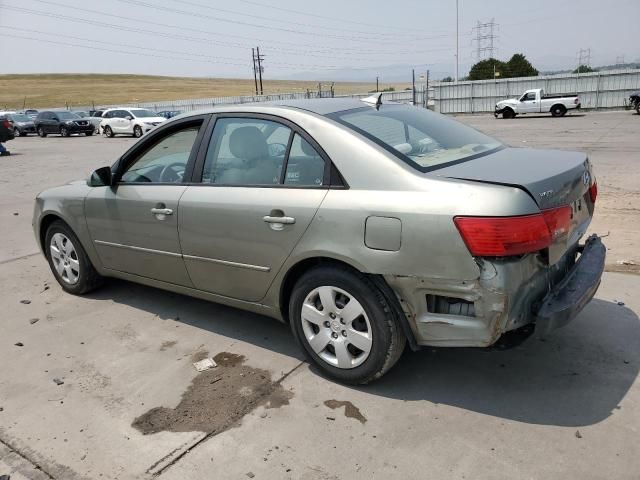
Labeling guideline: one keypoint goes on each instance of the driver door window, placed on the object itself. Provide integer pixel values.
(165, 161)
(246, 151)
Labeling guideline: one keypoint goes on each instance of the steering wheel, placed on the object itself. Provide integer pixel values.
(170, 174)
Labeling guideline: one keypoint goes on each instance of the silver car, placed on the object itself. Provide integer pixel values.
(363, 226)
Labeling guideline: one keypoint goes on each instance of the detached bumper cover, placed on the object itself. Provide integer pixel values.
(498, 111)
(575, 290)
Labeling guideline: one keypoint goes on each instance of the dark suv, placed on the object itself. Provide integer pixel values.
(63, 123)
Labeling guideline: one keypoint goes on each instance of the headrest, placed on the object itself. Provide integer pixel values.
(248, 143)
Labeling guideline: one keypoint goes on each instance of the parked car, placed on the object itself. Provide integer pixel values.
(634, 101)
(169, 113)
(63, 122)
(129, 121)
(363, 227)
(22, 124)
(31, 113)
(94, 120)
(6, 132)
(535, 101)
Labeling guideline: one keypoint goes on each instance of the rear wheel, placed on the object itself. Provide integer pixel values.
(137, 131)
(558, 110)
(107, 131)
(41, 132)
(508, 113)
(68, 260)
(345, 325)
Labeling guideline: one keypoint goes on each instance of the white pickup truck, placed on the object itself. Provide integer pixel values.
(535, 101)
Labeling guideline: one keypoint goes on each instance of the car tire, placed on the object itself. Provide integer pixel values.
(18, 133)
(41, 132)
(64, 132)
(508, 113)
(370, 323)
(107, 131)
(137, 131)
(558, 111)
(70, 265)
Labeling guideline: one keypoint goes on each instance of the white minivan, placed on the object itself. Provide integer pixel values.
(129, 121)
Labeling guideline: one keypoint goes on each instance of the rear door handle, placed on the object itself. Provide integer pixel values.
(162, 211)
(283, 220)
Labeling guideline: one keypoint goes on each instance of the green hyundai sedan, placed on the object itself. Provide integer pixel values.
(364, 226)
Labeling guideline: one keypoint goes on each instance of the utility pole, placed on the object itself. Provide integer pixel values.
(377, 88)
(426, 93)
(255, 74)
(457, 40)
(413, 86)
(260, 58)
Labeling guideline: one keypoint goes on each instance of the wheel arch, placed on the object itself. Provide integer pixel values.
(45, 223)
(304, 265)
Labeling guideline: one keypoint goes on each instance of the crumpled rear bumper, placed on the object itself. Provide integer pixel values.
(574, 291)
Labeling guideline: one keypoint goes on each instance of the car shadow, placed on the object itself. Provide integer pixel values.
(530, 116)
(577, 376)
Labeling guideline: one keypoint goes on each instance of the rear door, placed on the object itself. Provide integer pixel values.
(134, 224)
(257, 186)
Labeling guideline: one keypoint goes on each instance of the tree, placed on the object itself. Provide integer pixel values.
(485, 69)
(447, 79)
(584, 69)
(519, 66)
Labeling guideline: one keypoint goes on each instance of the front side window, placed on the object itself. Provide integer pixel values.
(529, 96)
(423, 139)
(246, 151)
(166, 161)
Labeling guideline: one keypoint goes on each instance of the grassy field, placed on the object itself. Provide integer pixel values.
(59, 90)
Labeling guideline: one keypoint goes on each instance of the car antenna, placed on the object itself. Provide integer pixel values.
(374, 100)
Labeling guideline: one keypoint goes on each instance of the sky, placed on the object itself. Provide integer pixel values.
(301, 39)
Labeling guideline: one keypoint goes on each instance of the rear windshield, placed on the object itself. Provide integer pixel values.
(424, 139)
(143, 113)
(19, 117)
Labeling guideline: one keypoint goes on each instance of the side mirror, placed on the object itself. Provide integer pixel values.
(101, 177)
(128, 117)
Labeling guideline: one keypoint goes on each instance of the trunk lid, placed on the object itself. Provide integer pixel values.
(552, 178)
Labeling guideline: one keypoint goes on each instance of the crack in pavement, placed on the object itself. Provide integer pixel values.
(26, 458)
(22, 257)
(208, 435)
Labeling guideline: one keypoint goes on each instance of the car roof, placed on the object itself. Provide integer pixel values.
(321, 106)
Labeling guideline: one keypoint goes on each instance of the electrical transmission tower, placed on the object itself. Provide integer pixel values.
(584, 57)
(485, 38)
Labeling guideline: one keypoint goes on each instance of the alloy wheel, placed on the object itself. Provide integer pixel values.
(65, 258)
(336, 327)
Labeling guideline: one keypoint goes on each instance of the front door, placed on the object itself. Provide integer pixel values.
(528, 103)
(261, 186)
(134, 224)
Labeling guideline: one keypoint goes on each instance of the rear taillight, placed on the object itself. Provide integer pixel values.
(593, 191)
(507, 236)
(6, 123)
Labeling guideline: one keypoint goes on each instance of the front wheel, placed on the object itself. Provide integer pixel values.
(345, 325)
(64, 131)
(18, 133)
(508, 113)
(68, 260)
(137, 131)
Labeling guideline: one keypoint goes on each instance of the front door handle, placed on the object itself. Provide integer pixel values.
(162, 211)
(282, 220)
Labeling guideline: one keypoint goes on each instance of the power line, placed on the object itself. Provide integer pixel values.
(331, 53)
(288, 22)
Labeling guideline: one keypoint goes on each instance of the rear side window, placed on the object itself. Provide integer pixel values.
(305, 166)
